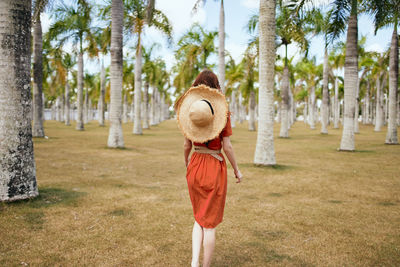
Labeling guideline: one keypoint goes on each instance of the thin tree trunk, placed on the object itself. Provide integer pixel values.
(62, 107)
(79, 120)
(356, 112)
(312, 108)
(284, 132)
(137, 126)
(38, 130)
(350, 81)
(252, 111)
(265, 152)
(325, 96)
(67, 105)
(146, 106)
(102, 94)
(391, 136)
(221, 48)
(233, 109)
(153, 106)
(17, 163)
(379, 106)
(86, 107)
(115, 136)
(125, 109)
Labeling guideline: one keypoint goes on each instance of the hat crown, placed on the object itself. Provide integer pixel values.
(200, 113)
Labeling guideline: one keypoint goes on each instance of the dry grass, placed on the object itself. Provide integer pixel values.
(107, 207)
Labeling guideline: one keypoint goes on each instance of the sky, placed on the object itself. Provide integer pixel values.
(237, 13)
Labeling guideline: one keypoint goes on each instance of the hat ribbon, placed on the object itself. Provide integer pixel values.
(209, 104)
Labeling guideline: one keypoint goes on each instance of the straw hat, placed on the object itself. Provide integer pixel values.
(202, 113)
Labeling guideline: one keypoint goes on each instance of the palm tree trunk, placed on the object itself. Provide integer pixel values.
(379, 106)
(125, 109)
(17, 163)
(137, 126)
(265, 152)
(252, 111)
(86, 107)
(284, 132)
(350, 81)
(325, 96)
(37, 130)
(312, 108)
(79, 120)
(356, 112)
(153, 106)
(102, 94)
(115, 136)
(337, 105)
(391, 136)
(146, 106)
(232, 108)
(221, 48)
(67, 105)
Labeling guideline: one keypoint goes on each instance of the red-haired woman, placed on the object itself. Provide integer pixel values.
(208, 204)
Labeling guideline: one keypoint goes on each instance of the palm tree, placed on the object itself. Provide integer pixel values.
(336, 59)
(221, 41)
(17, 164)
(37, 130)
(138, 14)
(379, 73)
(74, 22)
(68, 62)
(265, 152)
(387, 13)
(115, 136)
(234, 75)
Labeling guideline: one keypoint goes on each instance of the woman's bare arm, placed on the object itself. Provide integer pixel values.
(187, 147)
(228, 149)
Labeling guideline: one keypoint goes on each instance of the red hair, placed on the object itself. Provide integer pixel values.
(207, 77)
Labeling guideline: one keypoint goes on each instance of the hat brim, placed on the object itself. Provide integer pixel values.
(220, 107)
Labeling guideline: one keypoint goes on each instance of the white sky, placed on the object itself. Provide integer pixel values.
(237, 13)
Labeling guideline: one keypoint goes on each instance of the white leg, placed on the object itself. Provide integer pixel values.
(197, 239)
(208, 245)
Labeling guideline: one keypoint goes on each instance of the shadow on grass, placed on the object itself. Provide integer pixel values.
(49, 196)
(278, 167)
(386, 203)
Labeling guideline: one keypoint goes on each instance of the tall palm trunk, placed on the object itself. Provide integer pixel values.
(252, 111)
(350, 81)
(356, 108)
(37, 130)
(391, 136)
(67, 105)
(221, 48)
(379, 105)
(17, 163)
(312, 108)
(137, 126)
(265, 152)
(146, 106)
(233, 109)
(115, 136)
(102, 94)
(284, 132)
(86, 107)
(153, 106)
(336, 117)
(325, 96)
(79, 120)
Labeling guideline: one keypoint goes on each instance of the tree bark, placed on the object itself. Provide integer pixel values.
(356, 108)
(312, 108)
(146, 106)
(137, 126)
(379, 106)
(337, 105)
(67, 105)
(284, 132)
(38, 130)
(79, 119)
(325, 96)
(125, 109)
(265, 152)
(102, 94)
(221, 48)
(350, 82)
(115, 136)
(391, 136)
(17, 163)
(252, 111)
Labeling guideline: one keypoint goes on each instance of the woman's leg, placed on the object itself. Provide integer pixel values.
(197, 239)
(208, 245)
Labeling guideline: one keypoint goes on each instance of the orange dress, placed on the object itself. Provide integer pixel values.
(207, 182)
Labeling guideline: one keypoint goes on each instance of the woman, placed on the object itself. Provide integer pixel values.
(204, 120)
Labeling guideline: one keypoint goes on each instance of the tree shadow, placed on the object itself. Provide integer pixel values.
(50, 196)
(277, 167)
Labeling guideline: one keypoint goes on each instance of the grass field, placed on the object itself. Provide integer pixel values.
(130, 207)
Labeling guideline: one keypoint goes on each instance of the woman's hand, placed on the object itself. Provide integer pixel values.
(238, 176)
